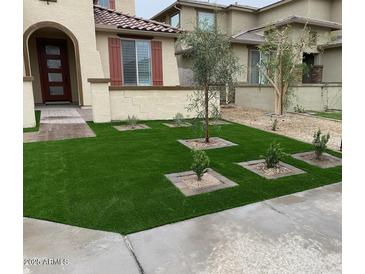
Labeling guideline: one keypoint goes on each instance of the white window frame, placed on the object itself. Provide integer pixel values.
(137, 71)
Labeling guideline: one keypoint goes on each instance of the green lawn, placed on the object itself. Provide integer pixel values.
(115, 181)
(337, 115)
(37, 120)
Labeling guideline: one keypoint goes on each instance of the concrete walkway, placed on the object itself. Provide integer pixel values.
(60, 123)
(51, 248)
(298, 233)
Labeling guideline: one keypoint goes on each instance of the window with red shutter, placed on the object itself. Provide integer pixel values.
(135, 62)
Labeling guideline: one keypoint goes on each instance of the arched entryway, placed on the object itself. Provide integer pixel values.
(51, 57)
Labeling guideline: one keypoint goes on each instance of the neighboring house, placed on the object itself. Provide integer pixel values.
(246, 25)
(97, 54)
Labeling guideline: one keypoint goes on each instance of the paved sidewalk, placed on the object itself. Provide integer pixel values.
(60, 123)
(84, 251)
(299, 233)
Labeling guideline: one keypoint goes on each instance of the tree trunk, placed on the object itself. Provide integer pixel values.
(279, 104)
(206, 114)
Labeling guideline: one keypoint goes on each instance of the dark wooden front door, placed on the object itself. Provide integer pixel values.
(54, 70)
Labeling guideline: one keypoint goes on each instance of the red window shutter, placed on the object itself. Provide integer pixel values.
(115, 62)
(157, 73)
(112, 4)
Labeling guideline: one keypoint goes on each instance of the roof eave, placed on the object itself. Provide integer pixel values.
(204, 6)
(246, 42)
(274, 5)
(329, 46)
(164, 10)
(115, 29)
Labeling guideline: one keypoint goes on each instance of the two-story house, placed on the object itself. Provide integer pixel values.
(246, 25)
(97, 54)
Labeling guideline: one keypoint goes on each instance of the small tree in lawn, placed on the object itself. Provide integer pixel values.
(215, 68)
(200, 163)
(281, 63)
(320, 143)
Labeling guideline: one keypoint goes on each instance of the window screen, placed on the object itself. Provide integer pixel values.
(254, 70)
(144, 62)
(129, 62)
(136, 58)
(206, 20)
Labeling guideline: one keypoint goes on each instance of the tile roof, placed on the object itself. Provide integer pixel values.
(109, 17)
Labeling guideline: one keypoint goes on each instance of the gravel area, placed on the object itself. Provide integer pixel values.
(207, 180)
(296, 126)
(130, 127)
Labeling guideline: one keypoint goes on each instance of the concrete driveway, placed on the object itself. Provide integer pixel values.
(299, 233)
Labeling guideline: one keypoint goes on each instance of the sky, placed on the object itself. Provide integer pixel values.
(148, 8)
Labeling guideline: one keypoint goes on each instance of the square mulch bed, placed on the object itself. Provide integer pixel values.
(326, 160)
(282, 169)
(174, 125)
(217, 122)
(129, 127)
(187, 182)
(200, 144)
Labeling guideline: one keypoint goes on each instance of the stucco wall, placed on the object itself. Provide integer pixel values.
(28, 105)
(101, 102)
(299, 7)
(76, 16)
(239, 21)
(186, 75)
(146, 103)
(320, 9)
(332, 65)
(323, 35)
(185, 64)
(241, 52)
(310, 97)
(188, 18)
(255, 97)
(169, 61)
(126, 6)
(336, 11)
(329, 10)
(150, 104)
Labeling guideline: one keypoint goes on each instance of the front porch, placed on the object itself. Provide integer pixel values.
(60, 122)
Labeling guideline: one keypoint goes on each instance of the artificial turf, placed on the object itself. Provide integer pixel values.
(336, 115)
(115, 181)
(37, 120)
